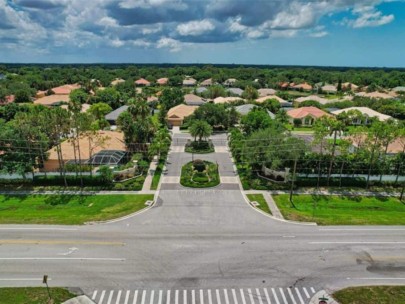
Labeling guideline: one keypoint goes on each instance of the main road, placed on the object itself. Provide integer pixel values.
(201, 246)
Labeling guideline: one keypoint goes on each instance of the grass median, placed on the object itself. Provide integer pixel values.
(261, 200)
(67, 209)
(342, 210)
(371, 294)
(33, 295)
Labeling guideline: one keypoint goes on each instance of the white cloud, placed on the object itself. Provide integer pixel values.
(368, 16)
(169, 43)
(195, 28)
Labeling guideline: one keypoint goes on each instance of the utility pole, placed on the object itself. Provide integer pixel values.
(45, 281)
(292, 182)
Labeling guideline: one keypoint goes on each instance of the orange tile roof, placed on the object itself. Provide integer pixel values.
(306, 111)
(142, 81)
(8, 99)
(52, 99)
(65, 89)
(162, 80)
(181, 111)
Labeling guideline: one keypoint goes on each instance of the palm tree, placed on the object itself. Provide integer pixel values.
(200, 129)
(160, 142)
(139, 108)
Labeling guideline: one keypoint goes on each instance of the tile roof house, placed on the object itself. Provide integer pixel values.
(364, 111)
(193, 100)
(316, 98)
(110, 140)
(246, 108)
(349, 86)
(113, 116)
(8, 99)
(206, 83)
(395, 147)
(398, 89)
(375, 95)
(152, 99)
(162, 81)
(52, 100)
(189, 82)
(65, 89)
(177, 114)
(266, 92)
(117, 81)
(302, 86)
(227, 99)
(200, 90)
(282, 102)
(329, 88)
(307, 115)
(229, 82)
(142, 82)
(235, 91)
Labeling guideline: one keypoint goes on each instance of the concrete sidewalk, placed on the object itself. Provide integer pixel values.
(329, 192)
(149, 177)
(270, 202)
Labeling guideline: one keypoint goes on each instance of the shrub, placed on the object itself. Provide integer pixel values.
(199, 165)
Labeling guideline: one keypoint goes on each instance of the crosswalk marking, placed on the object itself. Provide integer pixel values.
(127, 296)
(259, 295)
(299, 295)
(235, 299)
(266, 294)
(226, 296)
(251, 296)
(306, 292)
(291, 295)
(275, 296)
(118, 297)
(110, 297)
(283, 296)
(135, 297)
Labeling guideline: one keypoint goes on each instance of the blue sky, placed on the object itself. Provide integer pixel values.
(283, 32)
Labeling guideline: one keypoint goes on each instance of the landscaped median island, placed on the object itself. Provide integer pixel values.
(259, 198)
(371, 294)
(33, 295)
(199, 174)
(200, 147)
(68, 209)
(342, 210)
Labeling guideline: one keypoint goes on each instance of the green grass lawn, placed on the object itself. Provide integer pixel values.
(67, 209)
(371, 294)
(33, 295)
(260, 199)
(157, 175)
(340, 210)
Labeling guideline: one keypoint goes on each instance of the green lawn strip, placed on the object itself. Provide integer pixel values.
(189, 179)
(342, 210)
(199, 148)
(33, 295)
(67, 209)
(371, 294)
(260, 199)
(157, 175)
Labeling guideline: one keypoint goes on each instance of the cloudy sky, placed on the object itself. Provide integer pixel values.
(285, 32)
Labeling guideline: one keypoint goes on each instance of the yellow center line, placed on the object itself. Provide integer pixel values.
(59, 242)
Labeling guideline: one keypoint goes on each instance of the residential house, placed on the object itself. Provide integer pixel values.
(316, 98)
(395, 147)
(201, 90)
(283, 103)
(152, 99)
(230, 82)
(7, 100)
(206, 83)
(90, 147)
(65, 89)
(329, 89)
(142, 82)
(366, 112)
(177, 114)
(235, 91)
(85, 107)
(266, 92)
(193, 100)
(117, 81)
(302, 87)
(162, 81)
(398, 90)
(375, 95)
(52, 100)
(348, 86)
(307, 115)
(246, 108)
(219, 100)
(112, 117)
(189, 82)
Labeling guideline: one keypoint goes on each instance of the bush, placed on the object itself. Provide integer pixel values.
(199, 165)
(71, 181)
(199, 147)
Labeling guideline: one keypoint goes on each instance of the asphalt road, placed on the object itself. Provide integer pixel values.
(201, 241)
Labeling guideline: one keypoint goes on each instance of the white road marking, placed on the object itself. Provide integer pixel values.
(226, 296)
(235, 299)
(24, 279)
(313, 290)
(375, 243)
(306, 292)
(185, 296)
(360, 229)
(193, 296)
(143, 297)
(118, 297)
(291, 295)
(251, 296)
(176, 297)
(201, 296)
(102, 297)
(218, 297)
(160, 296)
(49, 229)
(110, 297)
(283, 296)
(135, 297)
(127, 297)
(266, 294)
(377, 278)
(209, 296)
(94, 295)
(299, 295)
(275, 296)
(288, 236)
(168, 297)
(152, 296)
(62, 259)
(242, 294)
(259, 295)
